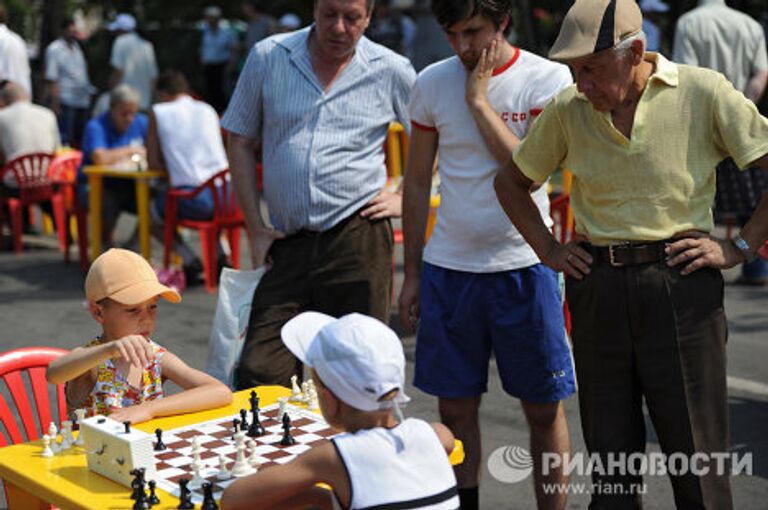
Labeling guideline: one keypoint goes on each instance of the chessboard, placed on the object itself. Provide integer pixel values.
(308, 429)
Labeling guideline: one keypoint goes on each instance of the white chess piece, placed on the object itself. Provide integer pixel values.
(196, 449)
(53, 433)
(312, 402)
(295, 391)
(304, 390)
(80, 416)
(241, 467)
(197, 479)
(47, 452)
(223, 473)
(66, 435)
(283, 402)
(240, 436)
(253, 457)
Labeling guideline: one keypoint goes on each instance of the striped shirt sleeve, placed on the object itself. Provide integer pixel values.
(244, 113)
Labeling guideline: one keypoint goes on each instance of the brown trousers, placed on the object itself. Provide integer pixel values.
(645, 331)
(342, 270)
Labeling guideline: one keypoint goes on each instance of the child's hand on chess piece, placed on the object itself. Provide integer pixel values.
(135, 414)
(133, 349)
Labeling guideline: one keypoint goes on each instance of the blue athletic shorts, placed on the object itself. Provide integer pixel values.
(516, 315)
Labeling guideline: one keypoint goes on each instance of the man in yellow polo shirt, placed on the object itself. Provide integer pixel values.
(642, 137)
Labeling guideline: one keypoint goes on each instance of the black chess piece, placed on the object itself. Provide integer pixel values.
(142, 503)
(185, 496)
(127, 425)
(243, 420)
(208, 502)
(287, 439)
(256, 429)
(235, 427)
(153, 499)
(159, 446)
(137, 484)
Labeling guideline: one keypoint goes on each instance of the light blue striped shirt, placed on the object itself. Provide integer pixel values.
(322, 151)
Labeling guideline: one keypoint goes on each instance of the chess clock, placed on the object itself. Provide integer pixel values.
(114, 449)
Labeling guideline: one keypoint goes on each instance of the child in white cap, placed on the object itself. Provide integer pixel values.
(358, 365)
(121, 372)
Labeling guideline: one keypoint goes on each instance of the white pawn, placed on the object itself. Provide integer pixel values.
(241, 467)
(53, 433)
(196, 449)
(295, 391)
(66, 435)
(312, 402)
(283, 402)
(253, 457)
(80, 416)
(47, 452)
(223, 473)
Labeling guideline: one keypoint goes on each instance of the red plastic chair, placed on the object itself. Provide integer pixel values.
(62, 172)
(31, 174)
(33, 361)
(559, 210)
(226, 216)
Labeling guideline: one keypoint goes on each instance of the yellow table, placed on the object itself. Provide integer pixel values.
(96, 174)
(33, 482)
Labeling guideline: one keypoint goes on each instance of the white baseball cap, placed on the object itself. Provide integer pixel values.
(653, 6)
(124, 22)
(289, 20)
(357, 357)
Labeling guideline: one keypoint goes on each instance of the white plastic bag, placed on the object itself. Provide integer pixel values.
(230, 322)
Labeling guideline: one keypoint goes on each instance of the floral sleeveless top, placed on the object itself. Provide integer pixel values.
(112, 389)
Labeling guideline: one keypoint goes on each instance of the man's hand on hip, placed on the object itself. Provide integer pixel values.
(261, 242)
(383, 205)
(698, 249)
(569, 258)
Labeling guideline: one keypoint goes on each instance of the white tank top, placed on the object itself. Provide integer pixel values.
(404, 467)
(190, 137)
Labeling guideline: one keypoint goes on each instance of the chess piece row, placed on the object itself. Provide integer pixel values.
(307, 394)
(51, 444)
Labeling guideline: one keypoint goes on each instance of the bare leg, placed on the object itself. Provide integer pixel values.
(549, 433)
(461, 416)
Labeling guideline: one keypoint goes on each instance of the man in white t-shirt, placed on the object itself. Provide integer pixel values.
(478, 287)
(185, 139)
(14, 62)
(133, 59)
(68, 86)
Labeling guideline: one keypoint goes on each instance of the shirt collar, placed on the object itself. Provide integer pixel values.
(665, 71)
(296, 44)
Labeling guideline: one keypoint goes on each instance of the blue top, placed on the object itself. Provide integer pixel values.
(322, 150)
(101, 134)
(216, 46)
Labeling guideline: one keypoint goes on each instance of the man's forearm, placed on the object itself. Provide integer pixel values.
(756, 86)
(494, 131)
(755, 232)
(416, 194)
(242, 163)
(513, 191)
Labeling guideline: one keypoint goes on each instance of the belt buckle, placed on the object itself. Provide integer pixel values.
(612, 256)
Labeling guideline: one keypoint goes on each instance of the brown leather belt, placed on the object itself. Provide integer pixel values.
(629, 254)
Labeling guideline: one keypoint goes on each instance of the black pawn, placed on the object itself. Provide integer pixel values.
(185, 499)
(153, 499)
(208, 502)
(235, 427)
(287, 439)
(159, 446)
(127, 425)
(243, 420)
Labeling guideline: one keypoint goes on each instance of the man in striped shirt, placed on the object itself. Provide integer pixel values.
(318, 103)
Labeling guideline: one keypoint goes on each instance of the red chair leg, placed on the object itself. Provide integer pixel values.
(17, 223)
(60, 220)
(234, 246)
(210, 245)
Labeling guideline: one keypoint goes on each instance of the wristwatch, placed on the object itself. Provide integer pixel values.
(743, 246)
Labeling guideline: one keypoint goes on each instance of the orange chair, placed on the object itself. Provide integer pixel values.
(226, 216)
(560, 211)
(62, 173)
(31, 174)
(13, 365)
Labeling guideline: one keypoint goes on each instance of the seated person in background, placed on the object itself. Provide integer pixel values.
(25, 128)
(379, 460)
(185, 139)
(121, 372)
(112, 138)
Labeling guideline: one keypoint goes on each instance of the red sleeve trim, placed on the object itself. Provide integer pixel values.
(423, 127)
(536, 111)
(497, 71)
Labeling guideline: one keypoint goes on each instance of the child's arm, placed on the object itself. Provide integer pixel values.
(133, 348)
(278, 484)
(201, 391)
(445, 436)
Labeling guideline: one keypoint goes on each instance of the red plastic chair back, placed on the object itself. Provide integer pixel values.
(31, 174)
(28, 363)
(63, 171)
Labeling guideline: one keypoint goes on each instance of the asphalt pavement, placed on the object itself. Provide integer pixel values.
(41, 303)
